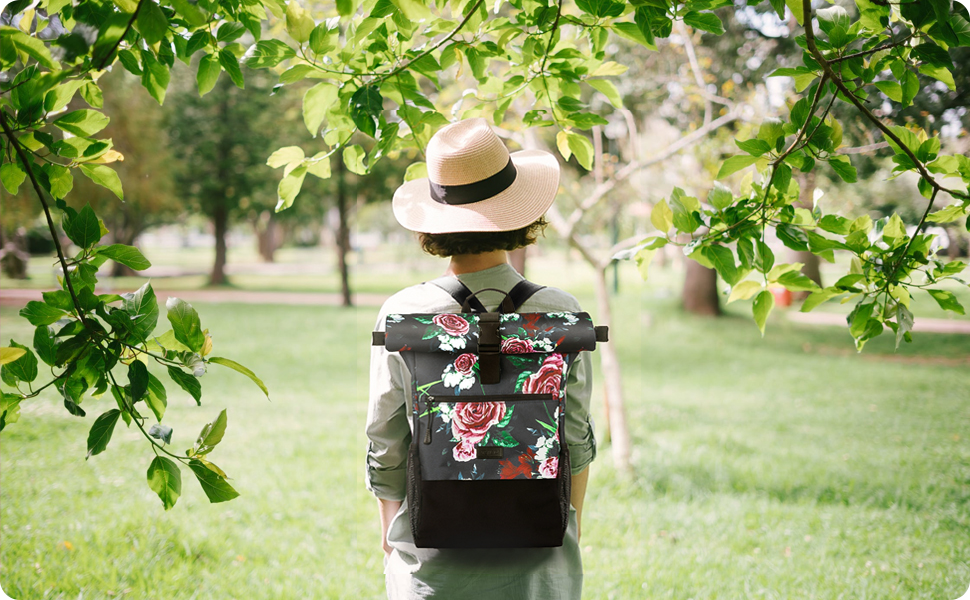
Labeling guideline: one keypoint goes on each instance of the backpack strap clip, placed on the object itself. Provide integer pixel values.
(489, 348)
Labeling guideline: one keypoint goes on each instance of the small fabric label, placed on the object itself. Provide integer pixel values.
(490, 452)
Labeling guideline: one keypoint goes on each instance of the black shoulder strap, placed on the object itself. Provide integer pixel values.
(522, 291)
(458, 291)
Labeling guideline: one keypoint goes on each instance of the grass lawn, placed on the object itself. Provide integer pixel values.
(783, 467)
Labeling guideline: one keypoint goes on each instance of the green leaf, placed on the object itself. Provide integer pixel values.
(137, 379)
(705, 21)
(316, 102)
(933, 55)
(45, 343)
(795, 6)
(208, 75)
(947, 301)
(155, 77)
(754, 146)
(185, 323)
(21, 369)
(632, 32)
(285, 156)
(126, 255)
(289, 187)
(31, 46)
(84, 123)
(299, 24)
(892, 89)
(216, 488)
(606, 87)
(230, 31)
(940, 73)
(366, 106)
(12, 176)
(60, 178)
(894, 230)
(319, 165)
(60, 96)
(83, 228)
(797, 282)
(188, 382)
(156, 398)
(582, 148)
(841, 165)
(151, 22)
(165, 479)
(213, 432)
(39, 313)
(947, 215)
(416, 170)
(354, 159)
(414, 10)
(101, 431)
(643, 258)
(142, 308)
(723, 260)
(818, 297)
(240, 368)
(104, 176)
(761, 307)
(904, 323)
(661, 216)
(735, 164)
(230, 64)
(685, 211)
(268, 53)
(744, 290)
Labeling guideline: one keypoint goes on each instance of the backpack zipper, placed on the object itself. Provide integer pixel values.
(427, 434)
(496, 398)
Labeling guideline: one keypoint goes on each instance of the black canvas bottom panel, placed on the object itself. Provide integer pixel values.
(505, 513)
(489, 514)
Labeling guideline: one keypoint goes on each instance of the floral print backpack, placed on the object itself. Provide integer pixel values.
(487, 466)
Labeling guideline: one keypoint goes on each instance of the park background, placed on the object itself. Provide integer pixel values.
(782, 466)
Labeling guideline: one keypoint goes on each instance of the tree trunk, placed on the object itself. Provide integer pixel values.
(267, 229)
(619, 434)
(343, 235)
(806, 182)
(220, 224)
(700, 290)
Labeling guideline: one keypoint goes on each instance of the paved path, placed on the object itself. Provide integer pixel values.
(19, 297)
(921, 324)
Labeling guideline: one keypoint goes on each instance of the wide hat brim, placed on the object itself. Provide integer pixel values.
(527, 199)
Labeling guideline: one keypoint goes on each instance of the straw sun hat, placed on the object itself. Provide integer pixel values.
(475, 184)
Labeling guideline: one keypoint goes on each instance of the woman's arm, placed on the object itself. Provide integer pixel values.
(577, 493)
(389, 508)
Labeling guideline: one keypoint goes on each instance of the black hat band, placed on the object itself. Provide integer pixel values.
(477, 191)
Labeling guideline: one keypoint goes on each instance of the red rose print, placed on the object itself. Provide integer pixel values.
(549, 468)
(452, 324)
(465, 362)
(464, 451)
(516, 346)
(548, 379)
(471, 420)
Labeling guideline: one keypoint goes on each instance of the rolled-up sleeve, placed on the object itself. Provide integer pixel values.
(579, 423)
(387, 429)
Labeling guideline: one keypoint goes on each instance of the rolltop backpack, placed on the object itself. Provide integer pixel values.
(487, 465)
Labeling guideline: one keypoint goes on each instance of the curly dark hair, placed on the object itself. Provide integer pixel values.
(477, 242)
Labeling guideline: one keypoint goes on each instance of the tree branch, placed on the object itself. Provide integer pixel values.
(434, 46)
(47, 212)
(114, 48)
(817, 55)
(630, 168)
